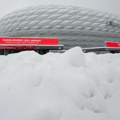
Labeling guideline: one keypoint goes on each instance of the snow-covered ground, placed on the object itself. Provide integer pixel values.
(60, 86)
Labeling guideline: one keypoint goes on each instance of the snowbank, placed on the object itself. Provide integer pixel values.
(60, 86)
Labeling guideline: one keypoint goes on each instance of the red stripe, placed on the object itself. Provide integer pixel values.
(18, 47)
(32, 41)
(112, 44)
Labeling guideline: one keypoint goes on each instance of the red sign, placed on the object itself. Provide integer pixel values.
(32, 41)
(112, 44)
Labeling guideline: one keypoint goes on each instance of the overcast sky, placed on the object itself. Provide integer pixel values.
(111, 6)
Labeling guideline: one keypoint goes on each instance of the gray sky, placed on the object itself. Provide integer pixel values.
(111, 6)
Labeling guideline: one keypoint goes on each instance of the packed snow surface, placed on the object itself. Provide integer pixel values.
(60, 86)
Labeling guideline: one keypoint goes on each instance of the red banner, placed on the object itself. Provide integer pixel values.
(112, 44)
(32, 41)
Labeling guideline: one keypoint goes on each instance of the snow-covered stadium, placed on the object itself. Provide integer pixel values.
(60, 86)
(72, 25)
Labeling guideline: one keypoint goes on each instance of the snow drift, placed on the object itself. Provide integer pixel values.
(60, 86)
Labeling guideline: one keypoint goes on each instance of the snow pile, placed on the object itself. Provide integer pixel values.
(67, 86)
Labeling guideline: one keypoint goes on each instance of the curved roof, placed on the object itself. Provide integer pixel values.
(61, 17)
(53, 20)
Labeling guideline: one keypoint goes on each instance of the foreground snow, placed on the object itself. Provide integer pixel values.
(67, 86)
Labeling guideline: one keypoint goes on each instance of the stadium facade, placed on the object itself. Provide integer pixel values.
(74, 26)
